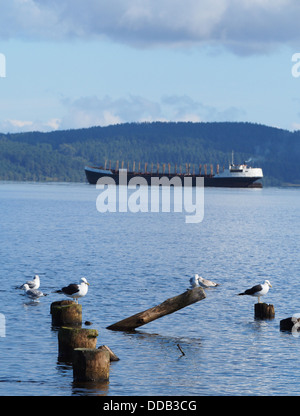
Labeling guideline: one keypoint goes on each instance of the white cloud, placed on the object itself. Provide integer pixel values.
(17, 126)
(93, 111)
(244, 26)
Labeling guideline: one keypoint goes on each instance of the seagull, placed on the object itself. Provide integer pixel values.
(33, 294)
(32, 284)
(258, 290)
(200, 281)
(74, 290)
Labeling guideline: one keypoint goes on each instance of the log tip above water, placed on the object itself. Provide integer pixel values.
(165, 308)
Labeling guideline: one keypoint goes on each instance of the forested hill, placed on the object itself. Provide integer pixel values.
(62, 155)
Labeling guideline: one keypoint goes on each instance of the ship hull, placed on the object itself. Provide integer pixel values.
(94, 174)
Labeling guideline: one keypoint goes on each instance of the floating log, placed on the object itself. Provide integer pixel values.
(66, 312)
(71, 338)
(168, 306)
(90, 364)
(112, 355)
(264, 311)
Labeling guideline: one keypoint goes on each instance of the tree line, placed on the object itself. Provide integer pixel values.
(62, 155)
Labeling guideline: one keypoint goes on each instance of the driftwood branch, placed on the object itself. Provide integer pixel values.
(168, 306)
(180, 349)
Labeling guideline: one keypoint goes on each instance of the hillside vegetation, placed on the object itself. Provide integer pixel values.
(62, 155)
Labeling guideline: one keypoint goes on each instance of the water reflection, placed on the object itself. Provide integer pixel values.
(90, 388)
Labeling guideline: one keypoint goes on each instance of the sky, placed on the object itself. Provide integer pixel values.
(68, 64)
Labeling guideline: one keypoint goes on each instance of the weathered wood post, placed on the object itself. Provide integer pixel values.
(90, 364)
(264, 311)
(286, 324)
(66, 312)
(168, 306)
(291, 324)
(71, 338)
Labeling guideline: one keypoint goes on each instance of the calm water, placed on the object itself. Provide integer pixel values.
(134, 262)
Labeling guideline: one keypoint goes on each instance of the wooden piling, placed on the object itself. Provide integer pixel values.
(286, 324)
(90, 364)
(290, 324)
(169, 306)
(66, 312)
(264, 311)
(71, 338)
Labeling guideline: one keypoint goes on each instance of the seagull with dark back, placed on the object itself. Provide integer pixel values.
(258, 290)
(74, 290)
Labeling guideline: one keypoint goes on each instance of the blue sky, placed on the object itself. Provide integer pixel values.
(74, 63)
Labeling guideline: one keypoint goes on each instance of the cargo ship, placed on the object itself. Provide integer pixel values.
(235, 176)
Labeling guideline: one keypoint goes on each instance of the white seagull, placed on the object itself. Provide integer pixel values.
(33, 294)
(200, 281)
(74, 290)
(32, 284)
(258, 290)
